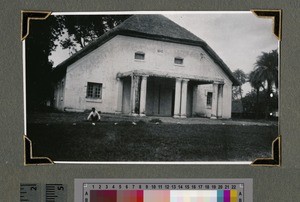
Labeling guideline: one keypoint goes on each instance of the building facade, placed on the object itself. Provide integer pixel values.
(148, 65)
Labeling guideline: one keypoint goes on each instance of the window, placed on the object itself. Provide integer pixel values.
(178, 61)
(209, 99)
(94, 90)
(139, 56)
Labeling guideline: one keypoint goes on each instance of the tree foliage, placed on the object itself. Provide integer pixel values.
(266, 69)
(254, 108)
(237, 91)
(265, 75)
(39, 44)
(74, 32)
(82, 30)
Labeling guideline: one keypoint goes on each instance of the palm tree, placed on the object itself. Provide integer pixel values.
(256, 84)
(265, 74)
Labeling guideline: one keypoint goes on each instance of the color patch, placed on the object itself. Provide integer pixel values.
(130, 196)
(194, 196)
(233, 195)
(157, 196)
(163, 196)
(103, 196)
(226, 195)
(220, 195)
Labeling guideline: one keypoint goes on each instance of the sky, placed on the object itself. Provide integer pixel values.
(237, 37)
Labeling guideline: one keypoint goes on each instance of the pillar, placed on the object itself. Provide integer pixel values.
(214, 105)
(119, 95)
(195, 101)
(143, 95)
(183, 98)
(177, 98)
(134, 94)
(220, 101)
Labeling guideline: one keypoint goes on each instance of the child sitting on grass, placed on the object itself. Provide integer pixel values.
(94, 115)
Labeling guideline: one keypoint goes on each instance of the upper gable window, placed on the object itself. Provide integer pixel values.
(139, 56)
(178, 61)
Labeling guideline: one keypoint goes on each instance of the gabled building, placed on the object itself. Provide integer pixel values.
(148, 65)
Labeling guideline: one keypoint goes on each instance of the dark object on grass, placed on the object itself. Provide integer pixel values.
(156, 120)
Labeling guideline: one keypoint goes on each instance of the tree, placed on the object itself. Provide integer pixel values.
(45, 35)
(237, 91)
(257, 84)
(265, 74)
(39, 44)
(82, 30)
(252, 106)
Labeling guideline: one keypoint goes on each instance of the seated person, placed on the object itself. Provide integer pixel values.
(94, 115)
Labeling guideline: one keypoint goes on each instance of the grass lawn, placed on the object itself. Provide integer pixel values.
(105, 141)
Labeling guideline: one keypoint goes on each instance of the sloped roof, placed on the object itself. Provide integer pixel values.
(155, 27)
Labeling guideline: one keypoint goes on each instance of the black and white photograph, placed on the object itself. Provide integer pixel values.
(152, 87)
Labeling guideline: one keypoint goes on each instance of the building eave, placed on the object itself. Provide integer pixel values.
(173, 75)
(222, 64)
(114, 32)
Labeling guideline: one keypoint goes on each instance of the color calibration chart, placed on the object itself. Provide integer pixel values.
(163, 190)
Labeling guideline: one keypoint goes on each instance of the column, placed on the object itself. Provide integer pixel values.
(143, 95)
(119, 95)
(214, 105)
(195, 100)
(177, 98)
(220, 101)
(137, 95)
(183, 98)
(134, 94)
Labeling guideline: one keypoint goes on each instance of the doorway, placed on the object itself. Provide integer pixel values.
(160, 96)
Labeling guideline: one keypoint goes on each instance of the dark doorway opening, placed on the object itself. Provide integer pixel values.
(160, 96)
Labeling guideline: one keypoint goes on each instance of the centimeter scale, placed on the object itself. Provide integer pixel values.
(35, 192)
(163, 190)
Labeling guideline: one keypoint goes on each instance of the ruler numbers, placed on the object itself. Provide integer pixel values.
(56, 193)
(31, 192)
(125, 186)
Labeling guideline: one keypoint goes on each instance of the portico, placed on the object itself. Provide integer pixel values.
(164, 94)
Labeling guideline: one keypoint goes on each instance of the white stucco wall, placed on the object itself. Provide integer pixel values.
(201, 108)
(160, 56)
(96, 67)
(59, 90)
(227, 102)
(117, 55)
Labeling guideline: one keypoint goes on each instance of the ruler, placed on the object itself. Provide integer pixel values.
(32, 192)
(56, 193)
(91, 190)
